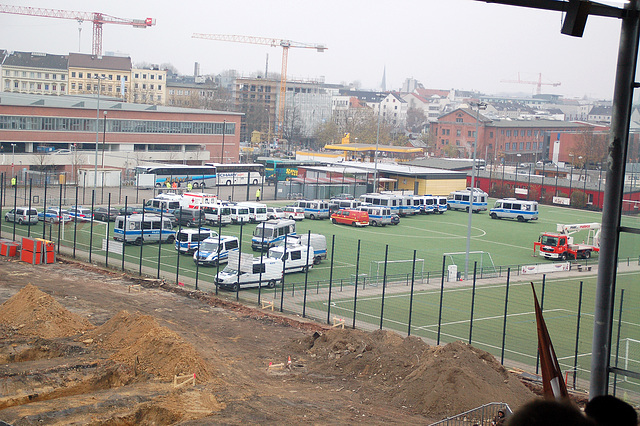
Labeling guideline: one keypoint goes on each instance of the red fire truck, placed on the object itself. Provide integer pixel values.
(560, 244)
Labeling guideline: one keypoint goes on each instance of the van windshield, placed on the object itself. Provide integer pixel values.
(209, 246)
(276, 254)
(268, 232)
(229, 270)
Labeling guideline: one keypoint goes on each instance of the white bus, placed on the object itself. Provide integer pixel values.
(511, 208)
(181, 175)
(459, 200)
(238, 174)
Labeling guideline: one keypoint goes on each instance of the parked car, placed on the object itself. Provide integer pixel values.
(351, 217)
(79, 213)
(54, 215)
(295, 213)
(275, 213)
(129, 211)
(395, 219)
(22, 215)
(190, 217)
(104, 214)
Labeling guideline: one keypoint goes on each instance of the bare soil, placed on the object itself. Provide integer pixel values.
(81, 345)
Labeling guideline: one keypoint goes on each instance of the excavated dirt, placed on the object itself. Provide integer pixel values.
(81, 348)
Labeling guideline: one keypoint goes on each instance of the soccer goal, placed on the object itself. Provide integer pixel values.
(629, 359)
(485, 267)
(397, 271)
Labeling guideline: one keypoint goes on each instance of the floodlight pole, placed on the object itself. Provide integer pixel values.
(478, 105)
(375, 156)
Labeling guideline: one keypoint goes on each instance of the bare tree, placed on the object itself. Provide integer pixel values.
(591, 146)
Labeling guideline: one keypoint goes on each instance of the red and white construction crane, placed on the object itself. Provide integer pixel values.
(96, 17)
(273, 42)
(538, 83)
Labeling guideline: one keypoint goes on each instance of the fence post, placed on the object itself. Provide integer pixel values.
(75, 227)
(504, 324)
(355, 295)
(306, 275)
(261, 263)
(200, 213)
(124, 229)
(142, 240)
(3, 194)
(473, 299)
(30, 191)
(333, 246)
(219, 233)
(178, 246)
(444, 260)
(413, 276)
(384, 284)
(15, 201)
(106, 259)
(44, 212)
(615, 376)
(160, 242)
(284, 265)
(575, 357)
(240, 258)
(93, 194)
(61, 220)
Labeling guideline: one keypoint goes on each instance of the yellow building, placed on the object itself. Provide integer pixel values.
(111, 74)
(149, 86)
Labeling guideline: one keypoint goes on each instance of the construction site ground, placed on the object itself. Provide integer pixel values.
(81, 345)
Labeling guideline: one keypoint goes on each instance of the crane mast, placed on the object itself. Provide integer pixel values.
(273, 42)
(97, 18)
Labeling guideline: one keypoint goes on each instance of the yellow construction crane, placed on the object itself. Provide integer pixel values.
(273, 42)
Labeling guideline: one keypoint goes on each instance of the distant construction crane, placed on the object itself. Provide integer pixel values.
(538, 83)
(96, 17)
(273, 42)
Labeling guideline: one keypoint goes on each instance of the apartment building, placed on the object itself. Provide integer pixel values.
(149, 85)
(109, 74)
(35, 73)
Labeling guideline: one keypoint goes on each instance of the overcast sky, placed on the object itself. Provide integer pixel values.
(462, 44)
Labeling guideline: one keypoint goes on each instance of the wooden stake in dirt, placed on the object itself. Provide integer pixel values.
(338, 322)
(190, 378)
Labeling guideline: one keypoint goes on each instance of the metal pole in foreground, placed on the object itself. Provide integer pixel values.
(614, 187)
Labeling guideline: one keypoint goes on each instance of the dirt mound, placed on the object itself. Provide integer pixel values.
(434, 381)
(32, 312)
(122, 330)
(142, 343)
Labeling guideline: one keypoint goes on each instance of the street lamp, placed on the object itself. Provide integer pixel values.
(479, 106)
(95, 172)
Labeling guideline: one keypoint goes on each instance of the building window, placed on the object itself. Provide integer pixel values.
(458, 120)
(54, 87)
(521, 146)
(522, 133)
(468, 133)
(508, 133)
(506, 146)
(144, 76)
(39, 86)
(528, 146)
(160, 77)
(79, 75)
(151, 76)
(62, 77)
(491, 135)
(151, 86)
(55, 76)
(46, 76)
(529, 133)
(159, 87)
(458, 132)
(24, 85)
(79, 86)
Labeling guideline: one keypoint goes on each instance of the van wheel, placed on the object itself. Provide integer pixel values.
(235, 287)
(255, 182)
(374, 223)
(190, 224)
(214, 263)
(333, 221)
(20, 221)
(521, 219)
(271, 284)
(494, 216)
(316, 260)
(586, 254)
(138, 241)
(195, 185)
(171, 239)
(564, 256)
(202, 185)
(353, 224)
(158, 185)
(228, 183)
(312, 217)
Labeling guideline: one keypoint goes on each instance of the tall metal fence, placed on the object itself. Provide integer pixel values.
(392, 288)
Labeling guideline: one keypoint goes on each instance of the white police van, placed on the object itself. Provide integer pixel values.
(314, 209)
(131, 229)
(378, 216)
(187, 239)
(512, 208)
(270, 233)
(296, 258)
(266, 273)
(215, 250)
(459, 200)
